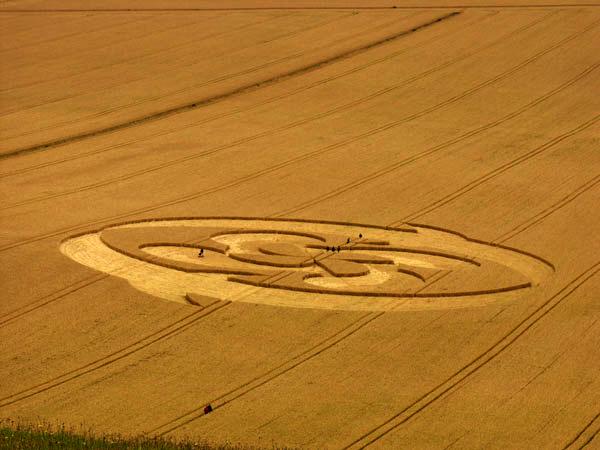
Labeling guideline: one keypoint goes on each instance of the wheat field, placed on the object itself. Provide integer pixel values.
(397, 204)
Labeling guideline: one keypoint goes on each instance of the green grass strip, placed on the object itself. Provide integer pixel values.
(15, 436)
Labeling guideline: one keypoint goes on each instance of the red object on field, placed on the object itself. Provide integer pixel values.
(207, 409)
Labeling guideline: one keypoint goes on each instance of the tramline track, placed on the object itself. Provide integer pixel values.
(426, 153)
(208, 82)
(40, 31)
(314, 351)
(246, 88)
(418, 405)
(256, 382)
(176, 328)
(256, 105)
(51, 298)
(315, 117)
(500, 170)
(473, 366)
(550, 210)
(586, 435)
(198, 103)
(169, 331)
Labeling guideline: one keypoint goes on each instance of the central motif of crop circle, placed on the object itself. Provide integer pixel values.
(305, 263)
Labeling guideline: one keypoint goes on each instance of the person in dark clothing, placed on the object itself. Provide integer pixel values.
(360, 236)
(201, 254)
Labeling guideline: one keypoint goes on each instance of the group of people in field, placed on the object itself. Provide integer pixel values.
(338, 248)
(329, 249)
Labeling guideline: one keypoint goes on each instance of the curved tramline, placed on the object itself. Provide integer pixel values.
(296, 124)
(178, 109)
(117, 355)
(456, 378)
(234, 111)
(325, 114)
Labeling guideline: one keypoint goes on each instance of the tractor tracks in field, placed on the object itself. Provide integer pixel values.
(314, 351)
(8, 317)
(471, 368)
(205, 83)
(590, 184)
(40, 32)
(254, 383)
(256, 105)
(237, 91)
(208, 101)
(306, 156)
(297, 55)
(426, 153)
(164, 333)
(500, 170)
(277, 371)
(331, 147)
(586, 435)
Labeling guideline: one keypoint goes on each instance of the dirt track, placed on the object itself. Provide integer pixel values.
(477, 134)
